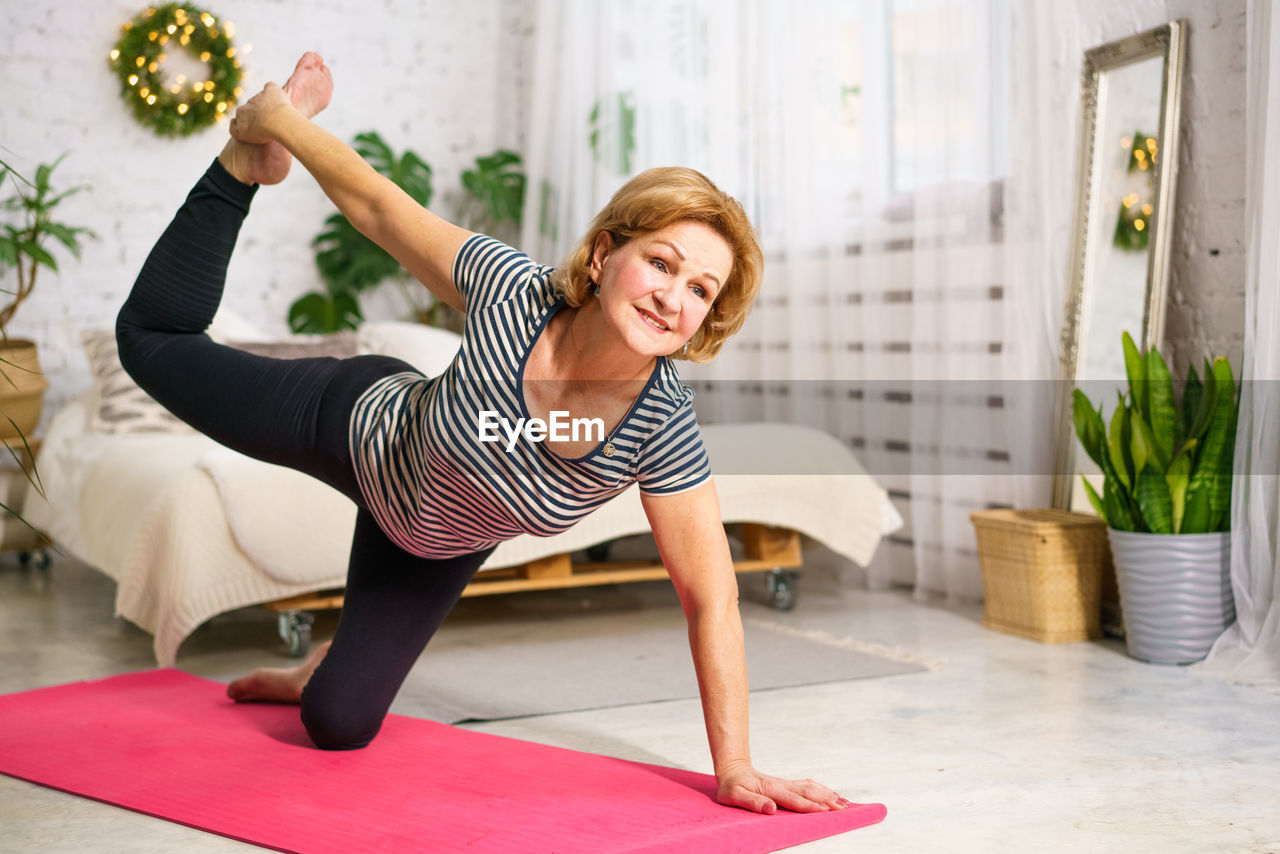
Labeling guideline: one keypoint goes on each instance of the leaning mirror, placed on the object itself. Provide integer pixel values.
(1128, 159)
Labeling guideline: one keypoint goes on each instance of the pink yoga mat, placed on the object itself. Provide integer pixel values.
(171, 745)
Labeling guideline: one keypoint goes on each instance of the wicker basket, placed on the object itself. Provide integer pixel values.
(1042, 572)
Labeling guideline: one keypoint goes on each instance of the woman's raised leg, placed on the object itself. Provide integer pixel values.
(288, 412)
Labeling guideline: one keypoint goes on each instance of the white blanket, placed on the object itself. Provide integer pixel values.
(140, 509)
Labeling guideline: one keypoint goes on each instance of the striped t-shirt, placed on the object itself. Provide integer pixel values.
(438, 491)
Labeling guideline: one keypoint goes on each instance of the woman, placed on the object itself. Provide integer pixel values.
(668, 269)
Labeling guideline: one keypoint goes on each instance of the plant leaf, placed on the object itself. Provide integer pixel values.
(1118, 447)
(1089, 428)
(40, 255)
(1209, 491)
(33, 476)
(1220, 487)
(505, 157)
(347, 260)
(347, 308)
(498, 185)
(317, 313)
(1140, 448)
(16, 515)
(1205, 405)
(1192, 394)
(1135, 370)
(49, 204)
(1195, 519)
(309, 314)
(371, 146)
(1178, 477)
(414, 177)
(1155, 501)
(67, 236)
(1161, 415)
(1126, 505)
(1095, 499)
(1118, 514)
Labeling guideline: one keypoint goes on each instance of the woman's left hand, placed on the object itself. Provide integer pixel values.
(744, 786)
(252, 122)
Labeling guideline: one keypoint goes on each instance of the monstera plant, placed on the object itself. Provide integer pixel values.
(348, 261)
(351, 263)
(495, 193)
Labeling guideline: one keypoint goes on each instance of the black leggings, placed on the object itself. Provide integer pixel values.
(291, 412)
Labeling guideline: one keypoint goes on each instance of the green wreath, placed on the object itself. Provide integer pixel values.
(179, 107)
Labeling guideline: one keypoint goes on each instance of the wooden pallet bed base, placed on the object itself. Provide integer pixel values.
(766, 548)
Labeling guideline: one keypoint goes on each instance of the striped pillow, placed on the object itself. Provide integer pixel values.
(122, 407)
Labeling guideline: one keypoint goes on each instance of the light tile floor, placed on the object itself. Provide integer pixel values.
(1004, 746)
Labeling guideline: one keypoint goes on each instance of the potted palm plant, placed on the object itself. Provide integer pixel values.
(1166, 499)
(23, 247)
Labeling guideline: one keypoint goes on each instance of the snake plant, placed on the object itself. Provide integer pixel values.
(1167, 465)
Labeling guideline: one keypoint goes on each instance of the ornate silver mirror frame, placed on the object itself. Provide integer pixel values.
(1110, 72)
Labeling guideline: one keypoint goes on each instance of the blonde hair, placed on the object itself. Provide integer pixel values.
(652, 201)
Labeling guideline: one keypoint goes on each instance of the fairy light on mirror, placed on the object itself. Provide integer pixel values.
(1132, 231)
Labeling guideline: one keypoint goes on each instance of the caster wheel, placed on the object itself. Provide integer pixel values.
(599, 552)
(782, 589)
(295, 631)
(38, 560)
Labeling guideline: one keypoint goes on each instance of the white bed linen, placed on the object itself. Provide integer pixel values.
(189, 529)
(139, 509)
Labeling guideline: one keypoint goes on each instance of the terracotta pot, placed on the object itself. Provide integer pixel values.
(22, 387)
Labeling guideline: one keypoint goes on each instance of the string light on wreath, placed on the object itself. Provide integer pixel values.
(178, 107)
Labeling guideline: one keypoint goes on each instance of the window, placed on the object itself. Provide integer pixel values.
(924, 86)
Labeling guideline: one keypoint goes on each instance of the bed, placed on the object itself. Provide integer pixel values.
(189, 529)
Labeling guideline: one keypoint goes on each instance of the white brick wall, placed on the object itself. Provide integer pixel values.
(1206, 310)
(445, 78)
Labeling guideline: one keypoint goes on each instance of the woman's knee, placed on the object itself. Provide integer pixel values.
(338, 726)
(132, 341)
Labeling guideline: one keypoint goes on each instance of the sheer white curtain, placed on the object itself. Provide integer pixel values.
(1250, 650)
(868, 142)
(949, 156)
(1044, 79)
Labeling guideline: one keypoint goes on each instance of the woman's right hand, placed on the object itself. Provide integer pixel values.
(253, 120)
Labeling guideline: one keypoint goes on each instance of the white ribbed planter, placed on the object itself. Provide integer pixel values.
(1175, 591)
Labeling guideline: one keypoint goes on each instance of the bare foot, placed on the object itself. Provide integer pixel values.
(277, 684)
(309, 88)
(311, 85)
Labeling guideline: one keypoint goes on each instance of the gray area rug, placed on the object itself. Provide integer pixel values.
(513, 655)
(548, 652)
